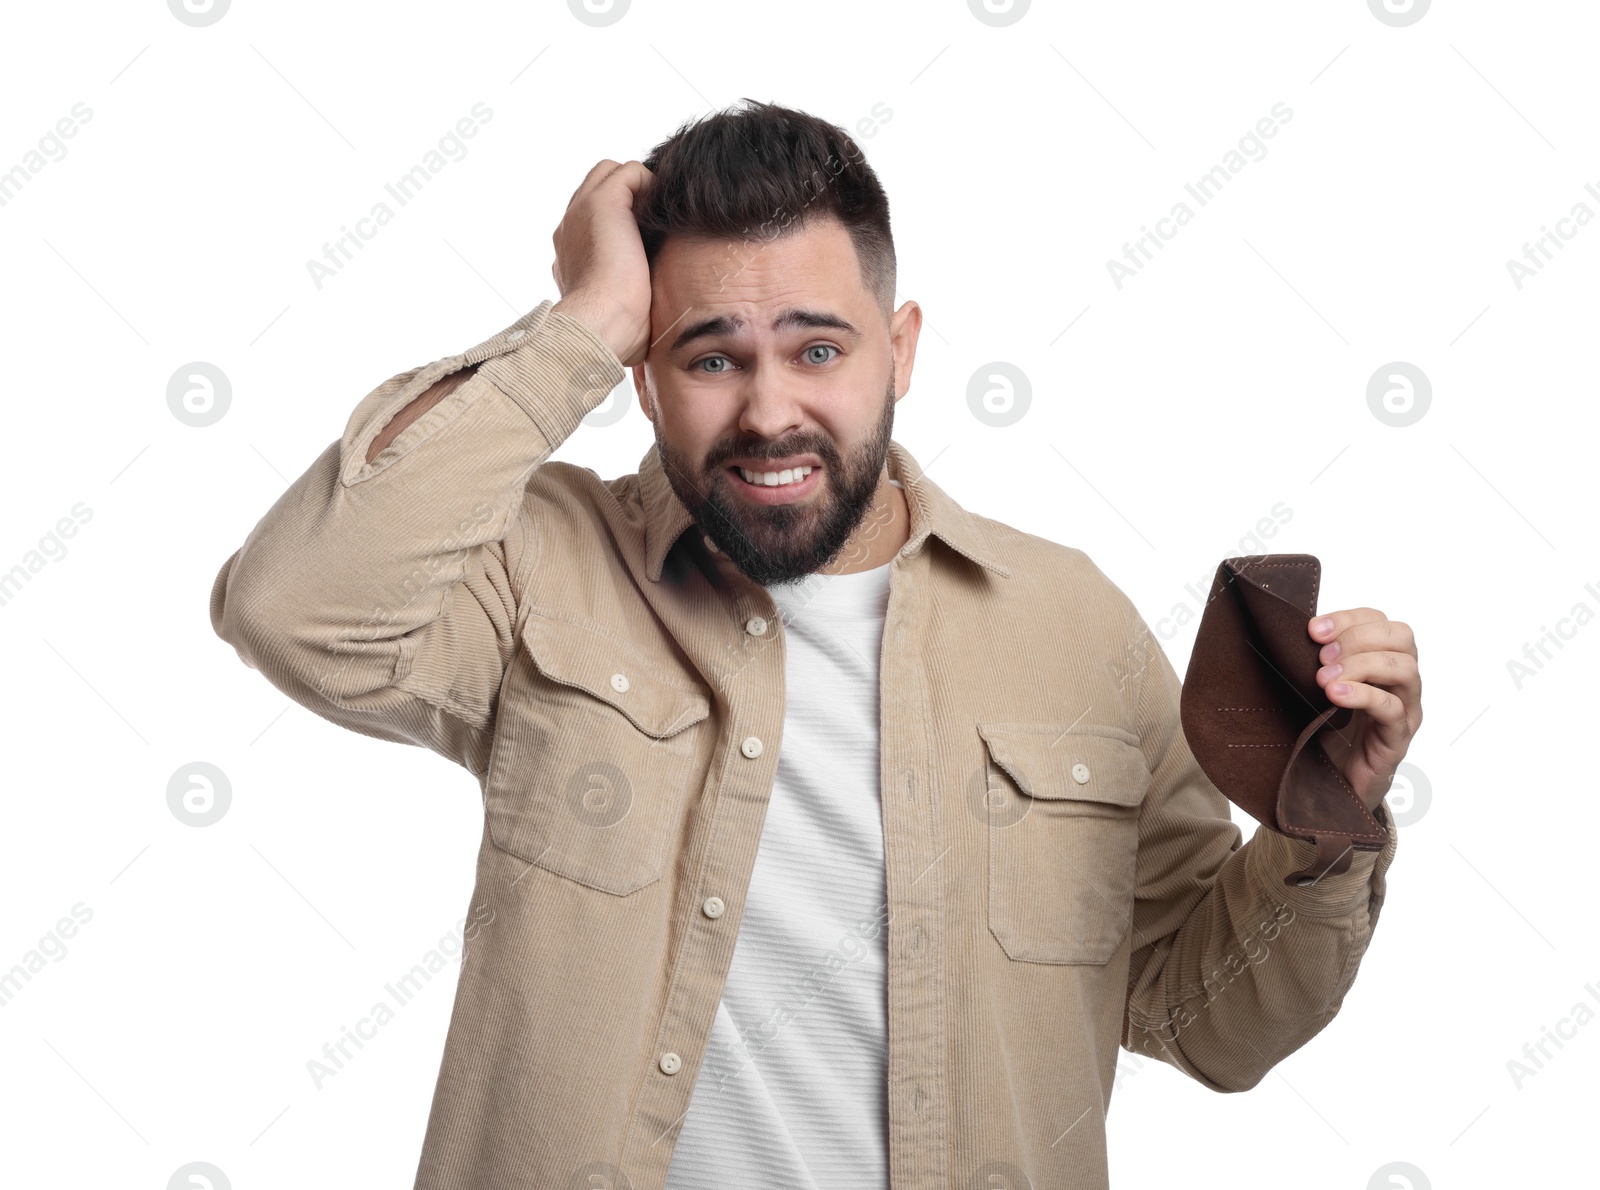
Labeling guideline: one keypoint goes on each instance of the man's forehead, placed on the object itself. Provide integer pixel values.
(760, 291)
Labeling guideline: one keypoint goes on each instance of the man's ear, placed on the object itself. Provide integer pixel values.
(904, 329)
(640, 387)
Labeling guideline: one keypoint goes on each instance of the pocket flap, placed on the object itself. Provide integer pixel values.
(1084, 763)
(582, 658)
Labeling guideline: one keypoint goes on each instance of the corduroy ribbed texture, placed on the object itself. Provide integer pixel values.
(1061, 875)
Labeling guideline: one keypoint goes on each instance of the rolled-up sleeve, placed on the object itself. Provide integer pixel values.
(382, 595)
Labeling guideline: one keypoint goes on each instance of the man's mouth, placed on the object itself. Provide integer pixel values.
(781, 485)
(773, 479)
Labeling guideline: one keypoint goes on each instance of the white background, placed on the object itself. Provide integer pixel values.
(1229, 375)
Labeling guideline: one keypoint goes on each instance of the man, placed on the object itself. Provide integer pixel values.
(831, 838)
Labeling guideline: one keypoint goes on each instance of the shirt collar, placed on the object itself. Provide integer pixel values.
(932, 511)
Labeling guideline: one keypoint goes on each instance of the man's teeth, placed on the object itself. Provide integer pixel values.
(774, 479)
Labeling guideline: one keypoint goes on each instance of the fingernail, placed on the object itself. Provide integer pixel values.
(1339, 688)
(1323, 624)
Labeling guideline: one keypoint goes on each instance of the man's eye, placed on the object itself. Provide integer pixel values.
(821, 347)
(713, 359)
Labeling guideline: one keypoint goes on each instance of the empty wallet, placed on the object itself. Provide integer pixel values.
(1255, 717)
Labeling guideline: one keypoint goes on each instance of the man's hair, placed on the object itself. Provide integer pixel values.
(756, 173)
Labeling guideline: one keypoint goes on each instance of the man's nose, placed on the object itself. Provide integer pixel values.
(769, 406)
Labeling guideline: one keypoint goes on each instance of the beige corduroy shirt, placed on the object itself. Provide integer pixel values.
(1062, 878)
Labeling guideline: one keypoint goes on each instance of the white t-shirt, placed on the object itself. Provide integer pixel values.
(793, 1091)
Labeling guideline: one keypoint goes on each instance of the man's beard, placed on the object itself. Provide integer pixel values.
(781, 543)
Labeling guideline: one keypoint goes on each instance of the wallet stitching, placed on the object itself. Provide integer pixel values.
(1315, 582)
(1377, 835)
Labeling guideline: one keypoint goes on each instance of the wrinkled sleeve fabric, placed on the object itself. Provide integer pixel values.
(383, 596)
(1232, 970)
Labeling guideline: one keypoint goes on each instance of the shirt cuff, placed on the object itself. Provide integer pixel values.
(1273, 855)
(553, 366)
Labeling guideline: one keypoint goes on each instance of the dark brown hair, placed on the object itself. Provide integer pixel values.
(759, 172)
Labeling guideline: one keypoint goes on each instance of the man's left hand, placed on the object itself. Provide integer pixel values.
(1369, 663)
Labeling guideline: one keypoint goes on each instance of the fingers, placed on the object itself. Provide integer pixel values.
(1359, 629)
(1386, 668)
(594, 177)
(631, 174)
(1387, 710)
(593, 180)
(1369, 662)
(1328, 625)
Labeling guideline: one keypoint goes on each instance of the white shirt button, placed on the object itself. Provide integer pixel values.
(1080, 773)
(751, 747)
(713, 907)
(671, 1063)
(515, 335)
(619, 683)
(755, 626)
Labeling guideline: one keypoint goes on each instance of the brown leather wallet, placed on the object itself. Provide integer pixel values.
(1255, 717)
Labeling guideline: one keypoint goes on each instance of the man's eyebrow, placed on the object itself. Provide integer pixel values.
(795, 316)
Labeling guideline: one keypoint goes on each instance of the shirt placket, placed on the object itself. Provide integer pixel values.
(916, 877)
(749, 661)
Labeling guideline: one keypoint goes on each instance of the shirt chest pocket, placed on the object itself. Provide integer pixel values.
(1063, 820)
(592, 761)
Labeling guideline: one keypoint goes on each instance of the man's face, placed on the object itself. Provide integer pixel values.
(771, 360)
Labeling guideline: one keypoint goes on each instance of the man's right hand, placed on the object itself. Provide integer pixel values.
(600, 265)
